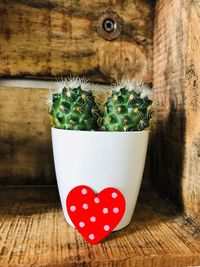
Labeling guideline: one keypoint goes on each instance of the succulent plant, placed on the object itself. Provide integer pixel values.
(72, 106)
(129, 108)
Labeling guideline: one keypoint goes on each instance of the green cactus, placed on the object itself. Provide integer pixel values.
(73, 106)
(128, 108)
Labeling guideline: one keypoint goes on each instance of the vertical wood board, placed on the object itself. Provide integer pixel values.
(175, 143)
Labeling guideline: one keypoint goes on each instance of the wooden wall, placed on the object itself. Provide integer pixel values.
(175, 144)
(25, 141)
(51, 38)
(55, 38)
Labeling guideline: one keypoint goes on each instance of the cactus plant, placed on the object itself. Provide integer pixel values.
(129, 108)
(72, 106)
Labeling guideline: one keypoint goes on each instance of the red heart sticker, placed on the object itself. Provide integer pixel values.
(95, 215)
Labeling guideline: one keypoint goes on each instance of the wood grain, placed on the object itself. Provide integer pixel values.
(25, 137)
(34, 233)
(56, 38)
(175, 144)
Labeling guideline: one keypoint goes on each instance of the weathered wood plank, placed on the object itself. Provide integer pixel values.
(25, 141)
(34, 233)
(55, 38)
(175, 143)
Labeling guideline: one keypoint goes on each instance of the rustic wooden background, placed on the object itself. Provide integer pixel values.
(54, 38)
(159, 44)
(51, 38)
(175, 147)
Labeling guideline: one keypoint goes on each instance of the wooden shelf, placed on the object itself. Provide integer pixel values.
(33, 232)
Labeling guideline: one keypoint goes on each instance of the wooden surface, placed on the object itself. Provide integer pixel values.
(55, 38)
(25, 137)
(175, 145)
(34, 233)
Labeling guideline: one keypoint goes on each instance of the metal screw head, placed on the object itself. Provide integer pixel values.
(109, 26)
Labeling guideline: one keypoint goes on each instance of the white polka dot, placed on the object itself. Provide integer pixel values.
(96, 200)
(93, 219)
(105, 210)
(85, 206)
(106, 227)
(84, 191)
(73, 208)
(115, 210)
(91, 236)
(114, 195)
(82, 224)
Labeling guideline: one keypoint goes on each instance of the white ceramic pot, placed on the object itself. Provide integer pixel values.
(100, 160)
